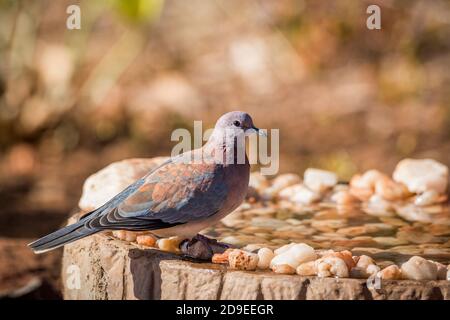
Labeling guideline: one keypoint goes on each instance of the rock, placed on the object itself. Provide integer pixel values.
(294, 255)
(242, 260)
(288, 192)
(221, 258)
(418, 268)
(417, 234)
(364, 261)
(379, 207)
(256, 186)
(392, 272)
(344, 198)
(365, 267)
(407, 250)
(427, 198)
(439, 229)
(328, 225)
(293, 231)
(307, 269)
(279, 183)
(390, 241)
(283, 269)
(169, 244)
(372, 269)
(252, 195)
(111, 269)
(258, 181)
(254, 247)
(336, 289)
(267, 212)
(184, 280)
(319, 180)
(147, 240)
(410, 212)
(367, 180)
(241, 241)
(330, 266)
(396, 222)
(233, 220)
(300, 194)
(345, 255)
(385, 263)
(363, 186)
(391, 190)
(265, 257)
(368, 228)
(362, 241)
(441, 270)
(361, 194)
(340, 187)
(271, 223)
(125, 235)
(284, 248)
(422, 175)
(111, 180)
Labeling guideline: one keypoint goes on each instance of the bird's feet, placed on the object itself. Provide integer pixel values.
(202, 248)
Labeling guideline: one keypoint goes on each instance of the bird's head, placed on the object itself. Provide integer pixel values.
(237, 123)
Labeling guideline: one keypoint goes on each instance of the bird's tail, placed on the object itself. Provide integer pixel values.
(61, 237)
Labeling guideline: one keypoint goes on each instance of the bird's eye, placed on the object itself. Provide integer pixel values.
(237, 123)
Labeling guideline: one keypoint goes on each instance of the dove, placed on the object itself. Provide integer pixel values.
(181, 197)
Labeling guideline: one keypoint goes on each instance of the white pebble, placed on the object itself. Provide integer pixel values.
(344, 198)
(319, 180)
(283, 269)
(427, 198)
(279, 183)
(303, 195)
(364, 261)
(284, 248)
(295, 255)
(372, 269)
(418, 268)
(258, 181)
(307, 269)
(422, 175)
(109, 181)
(365, 267)
(391, 190)
(367, 180)
(441, 270)
(377, 202)
(331, 267)
(265, 255)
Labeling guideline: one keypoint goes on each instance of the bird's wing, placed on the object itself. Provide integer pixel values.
(173, 194)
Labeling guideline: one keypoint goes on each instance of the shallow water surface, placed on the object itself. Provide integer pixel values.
(391, 235)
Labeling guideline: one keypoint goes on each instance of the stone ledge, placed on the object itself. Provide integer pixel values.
(113, 270)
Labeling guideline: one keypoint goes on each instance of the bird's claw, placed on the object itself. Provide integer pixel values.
(202, 248)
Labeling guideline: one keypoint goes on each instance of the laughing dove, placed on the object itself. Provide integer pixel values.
(182, 196)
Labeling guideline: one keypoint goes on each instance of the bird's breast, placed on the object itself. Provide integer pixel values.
(236, 180)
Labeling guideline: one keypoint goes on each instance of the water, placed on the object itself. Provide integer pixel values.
(390, 235)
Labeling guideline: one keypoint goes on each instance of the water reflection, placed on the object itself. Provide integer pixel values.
(386, 235)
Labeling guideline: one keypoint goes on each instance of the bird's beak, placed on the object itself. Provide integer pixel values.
(256, 130)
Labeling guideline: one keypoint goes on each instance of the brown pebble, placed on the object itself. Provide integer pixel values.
(146, 240)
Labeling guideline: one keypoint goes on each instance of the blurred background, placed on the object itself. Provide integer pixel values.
(345, 98)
